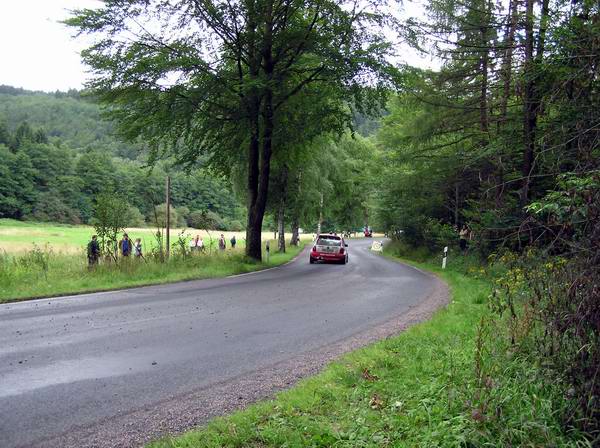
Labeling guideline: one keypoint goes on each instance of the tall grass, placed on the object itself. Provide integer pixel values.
(43, 273)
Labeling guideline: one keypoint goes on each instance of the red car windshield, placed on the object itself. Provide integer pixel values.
(328, 242)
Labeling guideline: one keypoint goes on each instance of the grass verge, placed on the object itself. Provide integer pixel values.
(434, 385)
(44, 274)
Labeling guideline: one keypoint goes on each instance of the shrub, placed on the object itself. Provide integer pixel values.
(436, 234)
(135, 218)
(235, 226)
(159, 216)
(183, 214)
(206, 219)
(196, 219)
(111, 214)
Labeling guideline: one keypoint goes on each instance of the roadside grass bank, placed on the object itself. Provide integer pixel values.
(42, 273)
(451, 381)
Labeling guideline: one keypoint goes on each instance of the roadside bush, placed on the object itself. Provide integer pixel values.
(400, 248)
(550, 306)
(436, 235)
(32, 265)
(180, 247)
(419, 232)
(562, 293)
(111, 214)
(6, 272)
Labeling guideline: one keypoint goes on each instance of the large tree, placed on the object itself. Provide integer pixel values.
(219, 77)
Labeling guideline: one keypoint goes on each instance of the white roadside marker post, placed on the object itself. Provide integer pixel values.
(445, 257)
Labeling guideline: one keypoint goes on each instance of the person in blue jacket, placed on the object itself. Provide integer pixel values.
(125, 246)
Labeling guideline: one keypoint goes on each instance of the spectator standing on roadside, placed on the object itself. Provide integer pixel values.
(222, 245)
(200, 243)
(233, 241)
(463, 235)
(194, 244)
(125, 246)
(93, 251)
(137, 248)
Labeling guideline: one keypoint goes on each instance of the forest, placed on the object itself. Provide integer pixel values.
(60, 154)
(504, 141)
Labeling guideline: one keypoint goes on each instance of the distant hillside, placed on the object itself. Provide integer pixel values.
(58, 154)
(65, 117)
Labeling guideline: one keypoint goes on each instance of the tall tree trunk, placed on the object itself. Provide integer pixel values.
(295, 207)
(484, 62)
(259, 160)
(532, 101)
(483, 99)
(281, 226)
(295, 231)
(255, 217)
(265, 153)
(263, 162)
(529, 116)
(506, 76)
(253, 102)
(456, 203)
(506, 71)
(281, 211)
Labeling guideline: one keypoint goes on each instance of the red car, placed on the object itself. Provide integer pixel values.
(329, 248)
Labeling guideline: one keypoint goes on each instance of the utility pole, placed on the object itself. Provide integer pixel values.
(168, 223)
(320, 216)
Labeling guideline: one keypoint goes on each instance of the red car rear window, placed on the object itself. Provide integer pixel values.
(328, 242)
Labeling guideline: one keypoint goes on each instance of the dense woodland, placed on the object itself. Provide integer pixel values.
(505, 139)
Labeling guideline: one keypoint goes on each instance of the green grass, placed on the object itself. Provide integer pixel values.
(448, 382)
(20, 236)
(41, 273)
(47, 259)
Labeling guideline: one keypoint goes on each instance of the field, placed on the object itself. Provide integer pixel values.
(44, 260)
(18, 237)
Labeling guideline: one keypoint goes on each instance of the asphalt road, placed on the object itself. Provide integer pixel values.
(70, 362)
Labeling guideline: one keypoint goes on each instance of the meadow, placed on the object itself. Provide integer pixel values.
(17, 237)
(45, 260)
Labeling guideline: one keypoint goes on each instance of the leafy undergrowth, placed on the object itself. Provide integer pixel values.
(41, 273)
(437, 384)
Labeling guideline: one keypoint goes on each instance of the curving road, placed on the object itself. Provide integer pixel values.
(87, 370)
